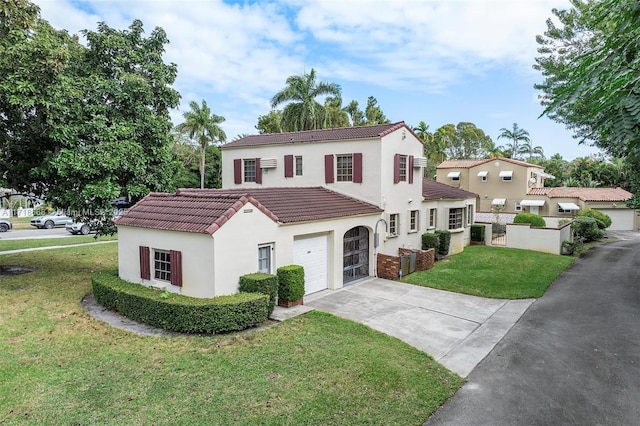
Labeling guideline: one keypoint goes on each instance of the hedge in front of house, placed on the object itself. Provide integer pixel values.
(477, 232)
(444, 241)
(290, 282)
(602, 219)
(530, 218)
(430, 241)
(179, 313)
(259, 282)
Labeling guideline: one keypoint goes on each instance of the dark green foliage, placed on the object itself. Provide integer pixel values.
(586, 229)
(290, 282)
(444, 241)
(569, 248)
(477, 232)
(603, 220)
(260, 282)
(430, 241)
(179, 313)
(530, 218)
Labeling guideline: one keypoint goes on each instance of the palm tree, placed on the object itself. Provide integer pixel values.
(529, 150)
(202, 126)
(302, 111)
(422, 131)
(516, 135)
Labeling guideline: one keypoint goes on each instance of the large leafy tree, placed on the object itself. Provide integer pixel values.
(270, 123)
(373, 113)
(203, 127)
(355, 113)
(517, 136)
(81, 126)
(463, 140)
(302, 110)
(590, 63)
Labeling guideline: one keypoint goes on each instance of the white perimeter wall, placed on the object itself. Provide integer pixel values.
(548, 240)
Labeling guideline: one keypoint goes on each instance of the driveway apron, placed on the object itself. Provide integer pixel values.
(574, 356)
(457, 330)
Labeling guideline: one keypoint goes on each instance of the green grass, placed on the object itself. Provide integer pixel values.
(494, 272)
(7, 245)
(58, 365)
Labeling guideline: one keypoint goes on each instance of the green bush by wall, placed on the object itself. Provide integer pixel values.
(477, 232)
(179, 313)
(259, 282)
(444, 241)
(530, 218)
(603, 220)
(290, 282)
(430, 241)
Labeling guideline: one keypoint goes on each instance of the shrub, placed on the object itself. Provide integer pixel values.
(530, 218)
(603, 220)
(570, 248)
(477, 232)
(180, 313)
(586, 229)
(290, 282)
(430, 241)
(259, 282)
(444, 241)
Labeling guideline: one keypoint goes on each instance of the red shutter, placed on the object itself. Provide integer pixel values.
(175, 258)
(357, 167)
(258, 171)
(396, 168)
(237, 171)
(145, 267)
(410, 169)
(328, 168)
(288, 166)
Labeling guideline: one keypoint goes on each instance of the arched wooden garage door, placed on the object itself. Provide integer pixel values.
(356, 254)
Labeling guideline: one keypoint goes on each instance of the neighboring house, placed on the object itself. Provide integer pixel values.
(313, 198)
(565, 201)
(511, 186)
(500, 183)
(449, 208)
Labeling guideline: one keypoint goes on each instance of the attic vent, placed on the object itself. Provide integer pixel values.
(419, 162)
(268, 163)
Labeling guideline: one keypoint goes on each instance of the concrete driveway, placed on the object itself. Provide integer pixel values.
(456, 329)
(574, 356)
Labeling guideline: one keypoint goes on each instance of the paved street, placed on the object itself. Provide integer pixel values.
(573, 358)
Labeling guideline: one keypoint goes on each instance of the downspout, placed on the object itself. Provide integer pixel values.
(376, 243)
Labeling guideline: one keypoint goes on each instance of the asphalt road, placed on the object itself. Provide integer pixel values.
(572, 359)
(34, 233)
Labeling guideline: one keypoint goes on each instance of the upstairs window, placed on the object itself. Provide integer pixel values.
(506, 175)
(298, 165)
(483, 175)
(249, 170)
(454, 176)
(344, 168)
(403, 168)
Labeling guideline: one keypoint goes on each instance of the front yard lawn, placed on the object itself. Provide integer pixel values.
(58, 365)
(8, 245)
(497, 272)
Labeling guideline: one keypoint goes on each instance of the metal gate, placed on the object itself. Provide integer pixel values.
(498, 234)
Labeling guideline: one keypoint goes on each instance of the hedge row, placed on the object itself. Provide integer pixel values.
(439, 240)
(179, 313)
(259, 282)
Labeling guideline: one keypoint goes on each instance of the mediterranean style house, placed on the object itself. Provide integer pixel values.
(335, 201)
(513, 186)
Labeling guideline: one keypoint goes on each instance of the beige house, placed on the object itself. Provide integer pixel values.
(514, 186)
(329, 200)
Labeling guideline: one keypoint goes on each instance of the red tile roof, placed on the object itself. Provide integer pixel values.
(584, 194)
(322, 135)
(206, 210)
(467, 164)
(432, 190)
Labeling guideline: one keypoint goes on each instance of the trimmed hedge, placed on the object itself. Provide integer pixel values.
(290, 282)
(586, 229)
(259, 282)
(603, 220)
(430, 241)
(444, 241)
(179, 313)
(477, 232)
(530, 218)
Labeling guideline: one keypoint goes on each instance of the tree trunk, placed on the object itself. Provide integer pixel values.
(202, 159)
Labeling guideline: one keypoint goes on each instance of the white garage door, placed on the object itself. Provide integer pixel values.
(312, 254)
(621, 219)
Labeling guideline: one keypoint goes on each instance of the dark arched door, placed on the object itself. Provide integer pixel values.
(356, 254)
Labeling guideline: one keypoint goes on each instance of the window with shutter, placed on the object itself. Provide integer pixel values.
(328, 168)
(237, 171)
(357, 167)
(258, 171)
(176, 267)
(298, 165)
(396, 168)
(410, 171)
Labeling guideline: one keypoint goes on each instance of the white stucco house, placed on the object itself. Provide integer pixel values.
(314, 198)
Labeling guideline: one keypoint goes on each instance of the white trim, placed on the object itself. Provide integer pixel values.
(483, 173)
(453, 175)
(534, 203)
(568, 206)
(506, 173)
(498, 201)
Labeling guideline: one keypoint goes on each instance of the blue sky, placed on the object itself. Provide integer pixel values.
(434, 61)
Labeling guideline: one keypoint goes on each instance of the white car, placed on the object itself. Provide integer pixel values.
(78, 228)
(50, 220)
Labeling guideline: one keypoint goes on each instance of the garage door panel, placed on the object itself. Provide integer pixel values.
(621, 219)
(313, 255)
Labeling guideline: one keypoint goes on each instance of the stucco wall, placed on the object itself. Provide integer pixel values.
(460, 238)
(548, 240)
